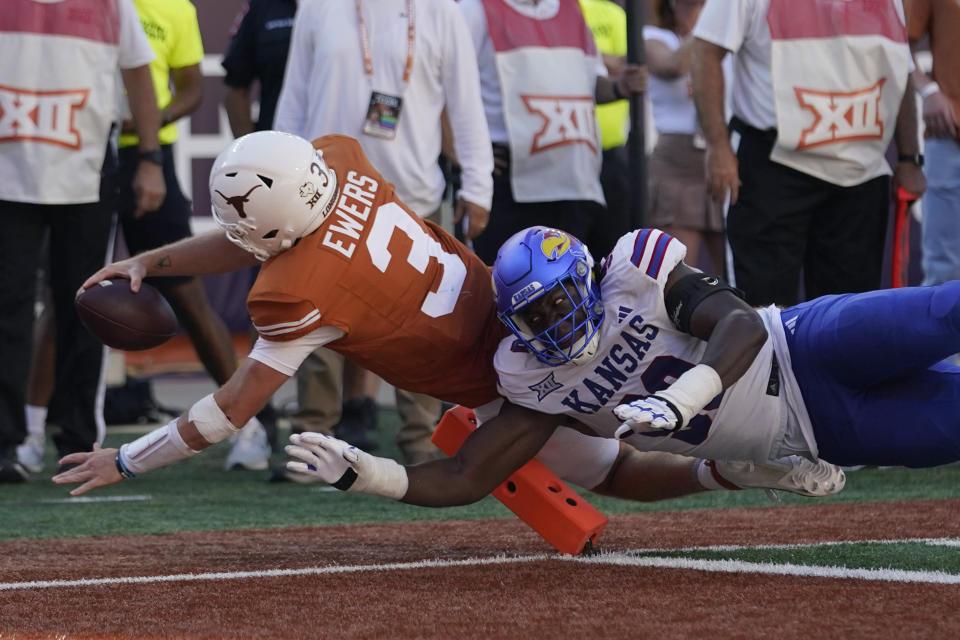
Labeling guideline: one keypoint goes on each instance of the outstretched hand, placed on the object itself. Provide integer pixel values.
(324, 457)
(94, 469)
(344, 466)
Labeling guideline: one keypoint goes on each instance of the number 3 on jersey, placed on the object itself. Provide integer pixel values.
(389, 217)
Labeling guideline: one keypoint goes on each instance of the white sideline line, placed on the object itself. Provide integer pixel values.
(274, 573)
(942, 542)
(622, 558)
(94, 499)
(737, 566)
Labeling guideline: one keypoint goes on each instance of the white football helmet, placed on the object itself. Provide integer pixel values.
(269, 189)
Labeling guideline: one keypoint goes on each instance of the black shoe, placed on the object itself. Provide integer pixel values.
(358, 421)
(12, 472)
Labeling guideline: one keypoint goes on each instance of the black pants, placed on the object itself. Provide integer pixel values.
(79, 237)
(616, 220)
(785, 221)
(165, 225)
(507, 216)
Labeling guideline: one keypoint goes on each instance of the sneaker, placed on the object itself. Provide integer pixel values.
(12, 472)
(250, 448)
(30, 453)
(793, 473)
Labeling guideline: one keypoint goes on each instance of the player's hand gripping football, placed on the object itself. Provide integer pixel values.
(132, 269)
(344, 466)
(646, 414)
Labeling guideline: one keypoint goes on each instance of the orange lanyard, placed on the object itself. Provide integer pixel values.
(365, 42)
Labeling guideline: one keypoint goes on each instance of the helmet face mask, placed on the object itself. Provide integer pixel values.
(269, 189)
(547, 296)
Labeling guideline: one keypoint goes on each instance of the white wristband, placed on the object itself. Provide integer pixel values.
(209, 419)
(160, 447)
(929, 89)
(692, 391)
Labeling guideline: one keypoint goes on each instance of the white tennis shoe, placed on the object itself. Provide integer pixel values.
(30, 453)
(251, 450)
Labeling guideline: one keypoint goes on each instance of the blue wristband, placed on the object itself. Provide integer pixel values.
(126, 473)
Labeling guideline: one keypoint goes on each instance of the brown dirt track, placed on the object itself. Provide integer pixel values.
(548, 599)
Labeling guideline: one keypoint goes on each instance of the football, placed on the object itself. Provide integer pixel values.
(125, 320)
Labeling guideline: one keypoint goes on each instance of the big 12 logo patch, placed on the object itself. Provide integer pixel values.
(841, 115)
(45, 116)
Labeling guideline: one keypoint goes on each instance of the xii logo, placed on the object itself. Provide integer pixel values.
(841, 115)
(45, 116)
(566, 120)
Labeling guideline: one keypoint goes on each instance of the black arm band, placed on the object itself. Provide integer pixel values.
(687, 294)
(346, 480)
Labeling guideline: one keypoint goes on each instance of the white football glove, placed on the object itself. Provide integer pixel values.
(672, 408)
(644, 415)
(344, 466)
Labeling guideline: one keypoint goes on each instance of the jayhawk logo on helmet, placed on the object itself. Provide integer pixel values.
(554, 244)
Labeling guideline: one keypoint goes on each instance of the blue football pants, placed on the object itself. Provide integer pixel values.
(871, 370)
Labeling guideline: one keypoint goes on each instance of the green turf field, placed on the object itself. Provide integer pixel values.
(197, 495)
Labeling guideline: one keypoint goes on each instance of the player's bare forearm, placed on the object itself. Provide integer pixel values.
(248, 390)
(487, 458)
(207, 254)
(737, 336)
(733, 330)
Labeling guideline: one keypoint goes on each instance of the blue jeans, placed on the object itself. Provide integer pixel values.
(941, 212)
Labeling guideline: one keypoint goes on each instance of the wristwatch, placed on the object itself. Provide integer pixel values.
(154, 155)
(914, 158)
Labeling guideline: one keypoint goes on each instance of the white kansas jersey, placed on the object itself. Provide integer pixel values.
(641, 352)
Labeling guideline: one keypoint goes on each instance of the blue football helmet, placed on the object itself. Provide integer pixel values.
(535, 262)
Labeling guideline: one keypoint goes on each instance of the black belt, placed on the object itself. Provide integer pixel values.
(745, 129)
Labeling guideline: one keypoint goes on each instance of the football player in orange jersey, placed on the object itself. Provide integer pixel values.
(345, 264)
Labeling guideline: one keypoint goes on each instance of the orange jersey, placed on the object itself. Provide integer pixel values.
(416, 305)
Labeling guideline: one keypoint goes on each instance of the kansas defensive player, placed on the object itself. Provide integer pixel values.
(346, 264)
(671, 359)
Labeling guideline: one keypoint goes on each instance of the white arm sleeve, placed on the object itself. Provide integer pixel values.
(287, 356)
